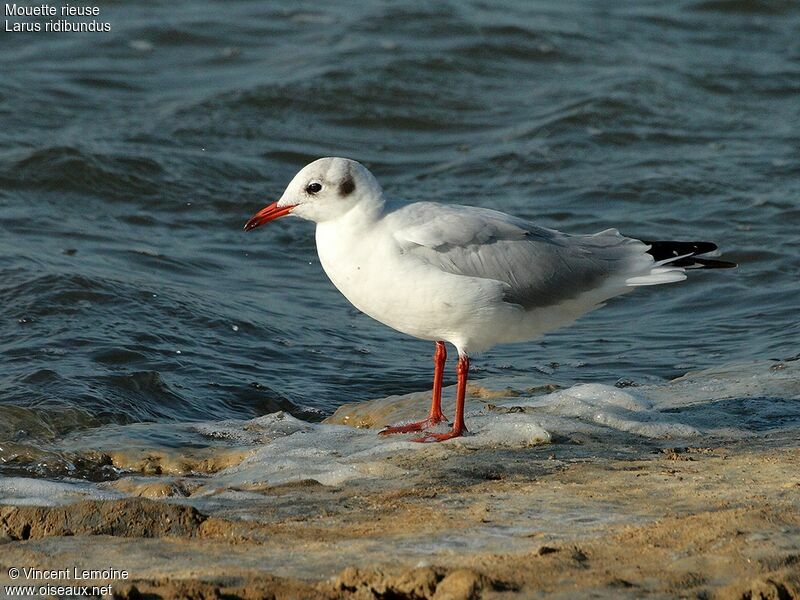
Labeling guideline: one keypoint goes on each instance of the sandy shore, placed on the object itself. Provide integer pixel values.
(718, 522)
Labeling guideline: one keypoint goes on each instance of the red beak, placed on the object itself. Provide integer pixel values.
(267, 214)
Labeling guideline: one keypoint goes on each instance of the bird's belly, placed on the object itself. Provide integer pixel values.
(421, 300)
(415, 298)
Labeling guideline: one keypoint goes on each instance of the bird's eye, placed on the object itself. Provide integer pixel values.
(314, 187)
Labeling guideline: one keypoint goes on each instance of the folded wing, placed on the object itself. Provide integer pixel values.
(539, 266)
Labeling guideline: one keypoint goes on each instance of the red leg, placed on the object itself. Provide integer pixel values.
(439, 360)
(435, 416)
(458, 422)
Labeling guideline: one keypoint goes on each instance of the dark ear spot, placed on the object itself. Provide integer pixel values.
(347, 186)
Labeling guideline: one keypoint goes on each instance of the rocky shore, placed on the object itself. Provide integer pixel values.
(690, 522)
(522, 508)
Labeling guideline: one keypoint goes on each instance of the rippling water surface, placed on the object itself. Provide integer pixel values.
(129, 162)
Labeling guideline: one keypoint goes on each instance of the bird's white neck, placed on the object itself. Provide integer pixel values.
(362, 215)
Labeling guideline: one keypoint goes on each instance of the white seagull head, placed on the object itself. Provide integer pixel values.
(322, 191)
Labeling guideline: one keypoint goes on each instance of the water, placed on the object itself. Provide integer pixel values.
(129, 162)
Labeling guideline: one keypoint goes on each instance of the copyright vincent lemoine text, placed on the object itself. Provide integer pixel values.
(74, 581)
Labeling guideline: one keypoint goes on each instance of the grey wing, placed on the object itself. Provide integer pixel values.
(540, 267)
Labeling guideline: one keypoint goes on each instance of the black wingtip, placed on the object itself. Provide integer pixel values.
(690, 253)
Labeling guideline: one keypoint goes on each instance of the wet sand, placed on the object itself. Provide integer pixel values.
(715, 522)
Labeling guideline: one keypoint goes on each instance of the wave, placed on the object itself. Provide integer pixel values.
(69, 169)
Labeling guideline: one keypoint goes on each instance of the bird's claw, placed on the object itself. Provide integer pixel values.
(438, 437)
(411, 427)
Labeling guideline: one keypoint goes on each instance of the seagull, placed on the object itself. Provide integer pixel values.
(473, 277)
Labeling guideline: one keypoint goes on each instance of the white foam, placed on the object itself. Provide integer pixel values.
(256, 431)
(612, 408)
(41, 492)
(329, 454)
(334, 454)
(515, 430)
